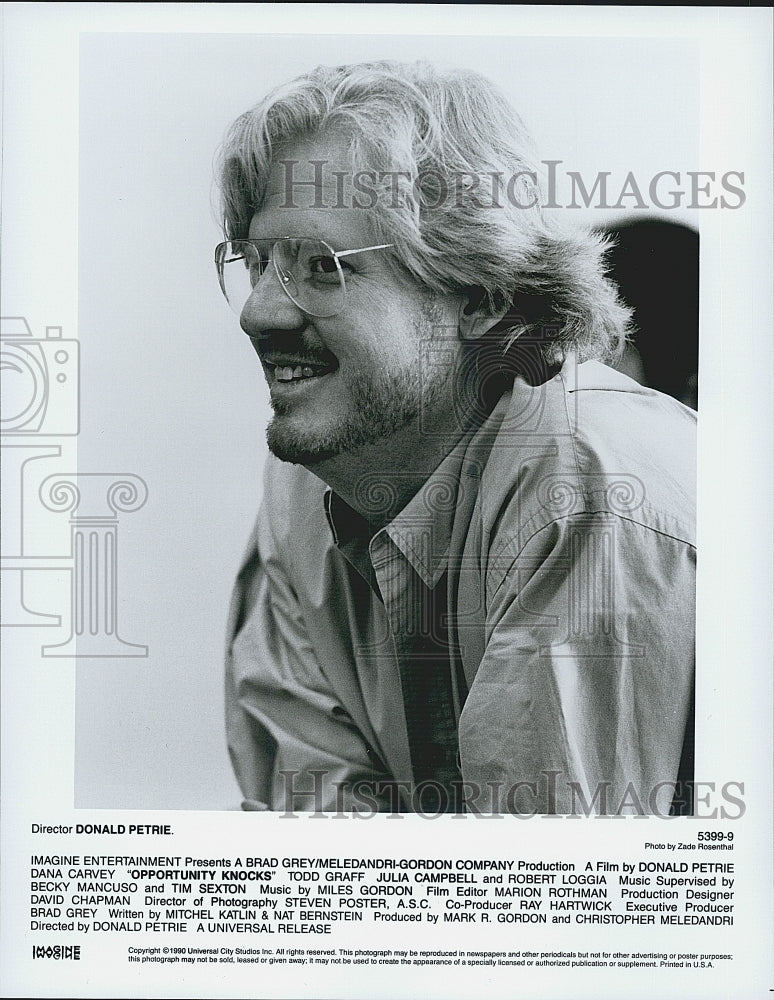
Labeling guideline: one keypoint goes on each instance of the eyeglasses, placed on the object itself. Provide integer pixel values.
(309, 271)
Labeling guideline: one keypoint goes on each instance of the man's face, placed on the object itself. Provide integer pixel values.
(363, 375)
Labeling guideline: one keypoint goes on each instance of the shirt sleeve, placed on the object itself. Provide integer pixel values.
(292, 744)
(581, 699)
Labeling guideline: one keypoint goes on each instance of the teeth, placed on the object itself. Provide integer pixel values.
(288, 373)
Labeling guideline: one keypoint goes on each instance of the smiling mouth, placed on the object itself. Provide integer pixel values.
(287, 370)
(288, 374)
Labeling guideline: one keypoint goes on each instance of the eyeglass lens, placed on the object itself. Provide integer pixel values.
(308, 272)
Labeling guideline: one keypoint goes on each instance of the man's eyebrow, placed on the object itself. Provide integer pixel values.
(309, 222)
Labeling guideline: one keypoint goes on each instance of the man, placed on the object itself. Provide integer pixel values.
(470, 586)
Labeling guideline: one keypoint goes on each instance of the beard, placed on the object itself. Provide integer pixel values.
(379, 399)
(378, 406)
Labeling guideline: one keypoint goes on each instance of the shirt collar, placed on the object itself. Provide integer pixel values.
(345, 523)
(421, 531)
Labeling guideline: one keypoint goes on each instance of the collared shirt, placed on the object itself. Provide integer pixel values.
(405, 565)
(554, 549)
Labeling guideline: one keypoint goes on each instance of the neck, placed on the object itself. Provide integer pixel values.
(379, 479)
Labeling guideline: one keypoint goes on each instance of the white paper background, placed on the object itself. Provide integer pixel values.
(170, 391)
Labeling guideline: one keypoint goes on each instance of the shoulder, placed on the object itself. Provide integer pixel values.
(292, 497)
(292, 529)
(590, 441)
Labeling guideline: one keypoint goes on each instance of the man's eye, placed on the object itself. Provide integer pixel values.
(323, 265)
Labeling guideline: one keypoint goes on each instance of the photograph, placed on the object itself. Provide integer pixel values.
(358, 450)
(469, 556)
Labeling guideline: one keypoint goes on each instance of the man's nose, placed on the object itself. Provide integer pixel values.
(268, 307)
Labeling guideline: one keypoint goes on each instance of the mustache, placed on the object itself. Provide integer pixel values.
(295, 343)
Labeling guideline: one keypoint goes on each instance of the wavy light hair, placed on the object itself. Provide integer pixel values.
(433, 125)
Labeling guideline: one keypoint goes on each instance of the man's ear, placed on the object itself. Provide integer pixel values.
(475, 320)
